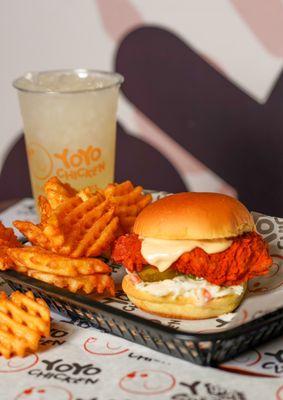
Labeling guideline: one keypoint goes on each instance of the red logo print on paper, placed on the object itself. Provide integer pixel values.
(147, 382)
(248, 359)
(45, 393)
(17, 364)
(279, 393)
(268, 282)
(102, 347)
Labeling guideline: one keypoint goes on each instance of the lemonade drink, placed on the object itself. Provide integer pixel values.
(70, 126)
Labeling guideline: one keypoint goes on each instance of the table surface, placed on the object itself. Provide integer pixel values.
(79, 362)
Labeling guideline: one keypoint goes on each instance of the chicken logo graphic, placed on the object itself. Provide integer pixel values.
(271, 281)
(45, 393)
(279, 393)
(104, 347)
(17, 364)
(147, 382)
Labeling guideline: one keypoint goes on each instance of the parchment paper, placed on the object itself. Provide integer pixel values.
(116, 360)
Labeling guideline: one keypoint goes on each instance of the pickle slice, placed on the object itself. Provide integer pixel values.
(151, 274)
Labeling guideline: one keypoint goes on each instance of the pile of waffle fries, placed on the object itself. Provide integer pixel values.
(75, 228)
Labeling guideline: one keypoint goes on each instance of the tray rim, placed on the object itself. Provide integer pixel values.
(91, 305)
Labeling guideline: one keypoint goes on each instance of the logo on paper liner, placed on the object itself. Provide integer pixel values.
(103, 347)
(147, 382)
(45, 393)
(17, 364)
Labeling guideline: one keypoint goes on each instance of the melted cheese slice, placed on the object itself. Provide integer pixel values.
(163, 253)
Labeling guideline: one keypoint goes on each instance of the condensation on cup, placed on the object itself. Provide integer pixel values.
(70, 125)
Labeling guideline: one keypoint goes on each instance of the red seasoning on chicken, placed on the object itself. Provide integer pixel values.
(191, 255)
(246, 258)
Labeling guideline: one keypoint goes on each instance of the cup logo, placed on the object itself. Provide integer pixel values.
(81, 163)
(40, 161)
(66, 164)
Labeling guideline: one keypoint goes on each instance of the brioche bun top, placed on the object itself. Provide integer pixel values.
(195, 216)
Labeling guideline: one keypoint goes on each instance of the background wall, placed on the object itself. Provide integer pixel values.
(201, 107)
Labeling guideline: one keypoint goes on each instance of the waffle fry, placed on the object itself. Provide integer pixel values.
(106, 238)
(87, 283)
(76, 226)
(73, 227)
(84, 223)
(54, 228)
(128, 201)
(5, 260)
(88, 192)
(115, 189)
(27, 310)
(15, 340)
(83, 212)
(57, 192)
(7, 239)
(23, 320)
(45, 209)
(33, 233)
(96, 239)
(34, 258)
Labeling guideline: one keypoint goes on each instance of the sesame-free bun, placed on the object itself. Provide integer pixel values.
(194, 216)
(181, 307)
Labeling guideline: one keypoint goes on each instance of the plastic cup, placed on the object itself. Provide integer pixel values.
(69, 121)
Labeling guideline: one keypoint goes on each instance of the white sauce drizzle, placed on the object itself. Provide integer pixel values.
(163, 253)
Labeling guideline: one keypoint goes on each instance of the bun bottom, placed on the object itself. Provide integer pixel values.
(182, 307)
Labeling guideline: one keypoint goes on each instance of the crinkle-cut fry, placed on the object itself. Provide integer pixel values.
(57, 192)
(84, 210)
(53, 232)
(23, 319)
(45, 261)
(72, 221)
(89, 192)
(53, 228)
(75, 225)
(127, 222)
(107, 236)
(87, 223)
(18, 268)
(11, 345)
(127, 214)
(5, 260)
(87, 283)
(28, 311)
(144, 201)
(19, 329)
(127, 211)
(33, 233)
(37, 309)
(68, 206)
(128, 201)
(45, 209)
(8, 237)
(93, 234)
(134, 208)
(118, 189)
(129, 198)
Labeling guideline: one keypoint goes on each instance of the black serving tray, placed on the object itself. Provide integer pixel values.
(199, 348)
